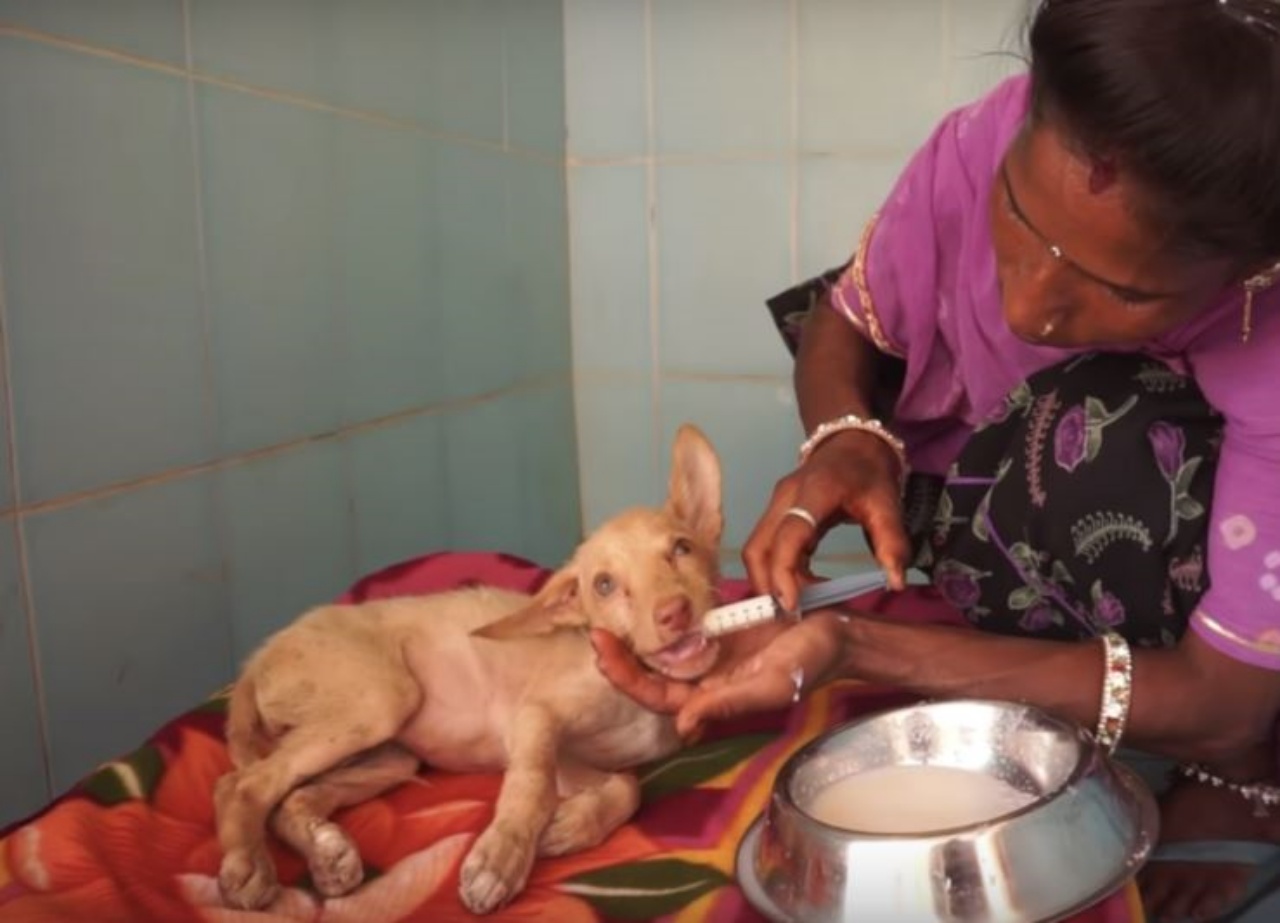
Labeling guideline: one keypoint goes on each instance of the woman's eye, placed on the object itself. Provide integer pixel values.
(682, 547)
(1131, 300)
(603, 584)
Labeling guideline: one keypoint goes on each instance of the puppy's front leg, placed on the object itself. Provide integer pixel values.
(595, 804)
(497, 866)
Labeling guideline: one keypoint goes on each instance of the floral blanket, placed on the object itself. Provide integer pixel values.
(135, 842)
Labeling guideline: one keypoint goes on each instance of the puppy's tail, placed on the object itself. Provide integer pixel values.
(246, 736)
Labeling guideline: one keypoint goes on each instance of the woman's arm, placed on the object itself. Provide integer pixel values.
(1189, 703)
(852, 476)
(835, 369)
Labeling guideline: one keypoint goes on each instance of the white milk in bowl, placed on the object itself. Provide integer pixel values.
(915, 799)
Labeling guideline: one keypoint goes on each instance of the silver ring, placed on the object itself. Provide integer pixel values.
(799, 512)
(797, 680)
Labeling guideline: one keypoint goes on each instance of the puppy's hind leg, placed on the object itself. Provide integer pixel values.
(335, 729)
(302, 820)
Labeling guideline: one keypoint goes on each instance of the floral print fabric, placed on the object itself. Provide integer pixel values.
(1081, 505)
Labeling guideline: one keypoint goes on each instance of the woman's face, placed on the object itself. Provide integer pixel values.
(1077, 266)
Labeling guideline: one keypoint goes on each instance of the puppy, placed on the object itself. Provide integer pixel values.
(349, 701)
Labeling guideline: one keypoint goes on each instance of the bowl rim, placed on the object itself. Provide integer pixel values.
(793, 764)
(1148, 825)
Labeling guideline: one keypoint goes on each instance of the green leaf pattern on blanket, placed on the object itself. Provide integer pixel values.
(692, 766)
(645, 890)
(133, 778)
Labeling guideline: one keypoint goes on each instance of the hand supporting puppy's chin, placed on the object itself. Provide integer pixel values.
(690, 657)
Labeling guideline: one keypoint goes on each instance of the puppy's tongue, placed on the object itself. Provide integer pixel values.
(689, 646)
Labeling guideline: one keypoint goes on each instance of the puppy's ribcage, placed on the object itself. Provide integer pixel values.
(457, 696)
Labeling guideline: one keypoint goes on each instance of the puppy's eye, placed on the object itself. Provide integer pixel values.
(603, 584)
(682, 547)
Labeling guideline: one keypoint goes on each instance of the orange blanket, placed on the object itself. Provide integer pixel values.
(135, 841)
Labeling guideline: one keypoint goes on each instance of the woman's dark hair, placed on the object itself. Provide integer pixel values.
(1185, 96)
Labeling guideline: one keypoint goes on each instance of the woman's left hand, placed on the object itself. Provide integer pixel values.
(798, 659)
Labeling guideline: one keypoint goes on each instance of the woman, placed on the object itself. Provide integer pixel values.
(1066, 307)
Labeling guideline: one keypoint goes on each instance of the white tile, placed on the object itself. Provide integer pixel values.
(605, 82)
(549, 474)
(722, 75)
(986, 46)
(872, 73)
(724, 248)
(536, 264)
(609, 247)
(754, 429)
(837, 197)
(616, 453)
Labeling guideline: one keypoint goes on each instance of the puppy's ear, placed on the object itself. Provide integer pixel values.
(554, 607)
(694, 491)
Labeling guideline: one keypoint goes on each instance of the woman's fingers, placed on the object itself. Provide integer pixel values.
(744, 693)
(793, 543)
(759, 547)
(777, 553)
(888, 537)
(620, 667)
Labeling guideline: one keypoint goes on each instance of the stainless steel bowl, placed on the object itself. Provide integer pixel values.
(1088, 828)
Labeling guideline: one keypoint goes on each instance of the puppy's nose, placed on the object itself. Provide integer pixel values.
(675, 615)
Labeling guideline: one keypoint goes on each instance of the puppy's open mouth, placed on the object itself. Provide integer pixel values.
(684, 656)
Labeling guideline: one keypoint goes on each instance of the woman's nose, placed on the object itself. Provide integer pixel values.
(1034, 303)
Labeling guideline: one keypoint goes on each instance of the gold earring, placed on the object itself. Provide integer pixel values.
(1252, 285)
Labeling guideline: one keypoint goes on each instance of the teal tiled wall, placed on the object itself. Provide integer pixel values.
(285, 299)
(718, 151)
(286, 294)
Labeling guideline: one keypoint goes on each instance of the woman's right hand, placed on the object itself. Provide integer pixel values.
(853, 477)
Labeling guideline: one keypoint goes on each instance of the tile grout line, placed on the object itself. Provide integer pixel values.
(26, 593)
(566, 167)
(221, 526)
(574, 301)
(9, 30)
(576, 377)
(793, 160)
(176, 474)
(651, 229)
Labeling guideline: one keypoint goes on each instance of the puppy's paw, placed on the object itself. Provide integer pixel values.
(247, 879)
(336, 867)
(495, 870)
(574, 827)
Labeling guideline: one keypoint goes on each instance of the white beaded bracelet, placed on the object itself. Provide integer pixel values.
(1117, 691)
(852, 421)
(1262, 795)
